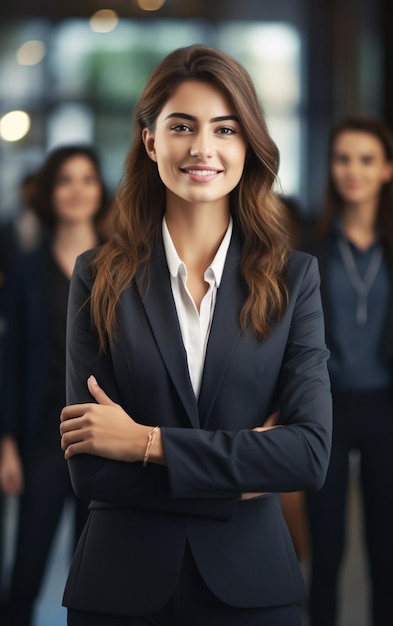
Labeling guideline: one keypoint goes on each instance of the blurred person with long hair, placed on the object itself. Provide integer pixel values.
(197, 384)
(69, 198)
(355, 251)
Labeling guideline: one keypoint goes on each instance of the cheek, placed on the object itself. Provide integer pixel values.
(59, 196)
(237, 166)
(236, 156)
(167, 161)
(374, 179)
(383, 178)
(166, 154)
(336, 172)
(338, 177)
(94, 193)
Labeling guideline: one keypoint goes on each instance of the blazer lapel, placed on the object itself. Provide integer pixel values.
(161, 312)
(225, 330)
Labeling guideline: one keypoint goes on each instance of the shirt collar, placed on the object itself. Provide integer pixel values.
(175, 264)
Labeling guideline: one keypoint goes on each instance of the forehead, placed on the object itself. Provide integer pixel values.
(358, 142)
(197, 97)
(76, 163)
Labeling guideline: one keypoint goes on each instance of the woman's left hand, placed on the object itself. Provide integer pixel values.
(269, 424)
(102, 429)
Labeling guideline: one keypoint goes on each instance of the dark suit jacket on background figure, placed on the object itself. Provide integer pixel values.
(141, 518)
(34, 395)
(362, 423)
(8, 248)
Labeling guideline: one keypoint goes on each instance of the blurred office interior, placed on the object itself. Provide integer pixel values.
(69, 71)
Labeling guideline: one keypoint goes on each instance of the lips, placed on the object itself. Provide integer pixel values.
(199, 172)
(352, 185)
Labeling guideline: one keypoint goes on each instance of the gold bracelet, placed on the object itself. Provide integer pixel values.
(150, 438)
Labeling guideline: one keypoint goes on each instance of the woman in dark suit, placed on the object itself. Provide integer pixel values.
(355, 251)
(187, 333)
(69, 199)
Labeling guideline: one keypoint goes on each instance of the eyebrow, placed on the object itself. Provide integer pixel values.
(191, 118)
(365, 155)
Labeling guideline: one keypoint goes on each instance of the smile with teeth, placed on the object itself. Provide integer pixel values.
(200, 172)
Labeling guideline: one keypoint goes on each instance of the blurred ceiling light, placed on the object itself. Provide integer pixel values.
(104, 21)
(31, 52)
(150, 5)
(14, 125)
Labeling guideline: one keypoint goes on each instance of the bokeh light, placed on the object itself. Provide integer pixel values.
(31, 52)
(14, 125)
(150, 5)
(104, 21)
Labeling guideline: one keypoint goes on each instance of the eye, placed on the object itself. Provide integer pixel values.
(62, 180)
(340, 159)
(91, 179)
(181, 128)
(226, 130)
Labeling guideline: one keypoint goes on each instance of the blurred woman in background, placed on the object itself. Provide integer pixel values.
(355, 253)
(70, 199)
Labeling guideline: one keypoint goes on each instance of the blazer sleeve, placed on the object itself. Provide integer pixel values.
(95, 478)
(290, 458)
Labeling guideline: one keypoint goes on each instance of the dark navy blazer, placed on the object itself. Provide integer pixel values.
(129, 555)
(26, 344)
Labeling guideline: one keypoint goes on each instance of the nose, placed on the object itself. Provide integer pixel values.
(201, 146)
(353, 167)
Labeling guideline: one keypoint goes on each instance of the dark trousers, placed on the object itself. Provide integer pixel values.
(47, 487)
(193, 604)
(362, 421)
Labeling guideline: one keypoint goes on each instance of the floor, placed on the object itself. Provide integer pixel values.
(49, 611)
(354, 584)
(354, 579)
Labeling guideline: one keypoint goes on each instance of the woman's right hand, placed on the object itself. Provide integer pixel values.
(11, 468)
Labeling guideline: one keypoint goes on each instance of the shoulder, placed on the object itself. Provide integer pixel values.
(301, 264)
(83, 270)
(303, 276)
(26, 264)
(85, 260)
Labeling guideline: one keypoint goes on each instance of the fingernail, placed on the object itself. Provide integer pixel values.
(93, 379)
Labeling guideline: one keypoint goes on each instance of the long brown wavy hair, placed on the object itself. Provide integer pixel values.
(140, 198)
(334, 205)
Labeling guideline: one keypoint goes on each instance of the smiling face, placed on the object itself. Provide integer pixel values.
(198, 146)
(359, 167)
(77, 191)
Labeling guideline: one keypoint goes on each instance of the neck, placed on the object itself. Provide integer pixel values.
(69, 241)
(359, 224)
(197, 233)
(75, 236)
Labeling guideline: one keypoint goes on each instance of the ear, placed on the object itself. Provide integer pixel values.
(148, 140)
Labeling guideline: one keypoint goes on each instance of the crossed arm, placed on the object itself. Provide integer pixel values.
(191, 470)
(86, 429)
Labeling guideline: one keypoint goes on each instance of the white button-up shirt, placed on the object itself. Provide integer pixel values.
(194, 325)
